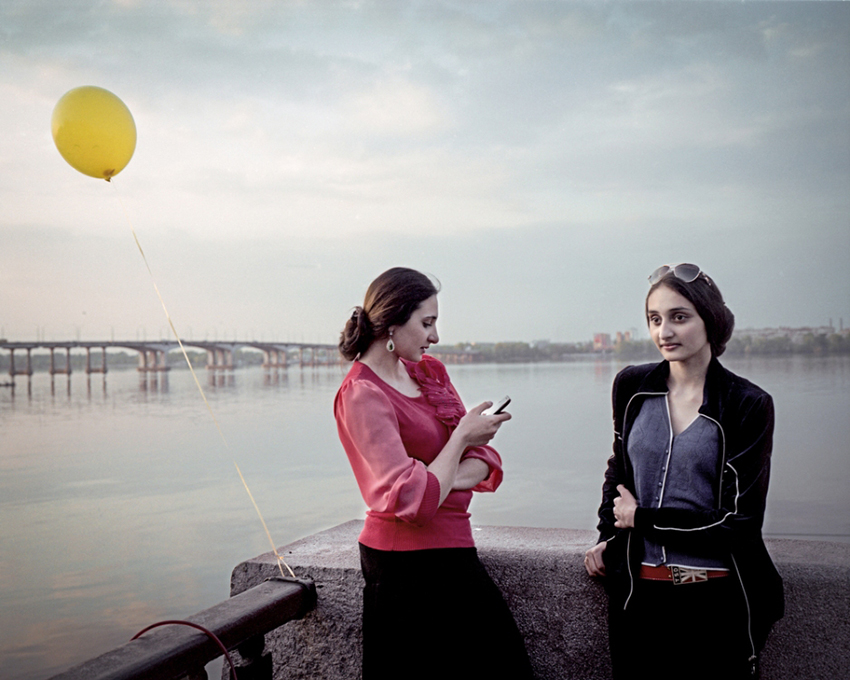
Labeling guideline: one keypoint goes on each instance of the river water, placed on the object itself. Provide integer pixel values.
(120, 502)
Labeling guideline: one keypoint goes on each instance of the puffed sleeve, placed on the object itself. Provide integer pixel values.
(490, 456)
(390, 481)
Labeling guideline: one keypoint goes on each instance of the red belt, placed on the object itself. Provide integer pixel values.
(679, 575)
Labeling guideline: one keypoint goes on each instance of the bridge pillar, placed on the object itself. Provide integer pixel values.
(89, 369)
(274, 358)
(149, 360)
(60, 371)
(220, 359)
(25, 371)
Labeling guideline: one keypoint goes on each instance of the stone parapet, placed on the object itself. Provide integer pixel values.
(560, 610)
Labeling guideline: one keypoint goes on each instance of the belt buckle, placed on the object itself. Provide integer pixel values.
(683, 575)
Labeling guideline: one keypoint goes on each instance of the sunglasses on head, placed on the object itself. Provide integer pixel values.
(684, 272)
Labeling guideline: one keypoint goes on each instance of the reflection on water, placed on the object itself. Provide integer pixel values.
(152, 381)
(121, 505)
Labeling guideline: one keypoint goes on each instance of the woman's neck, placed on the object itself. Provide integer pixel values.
(689, 375)
(386, 365)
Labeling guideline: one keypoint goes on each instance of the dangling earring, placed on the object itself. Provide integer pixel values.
(390, 343)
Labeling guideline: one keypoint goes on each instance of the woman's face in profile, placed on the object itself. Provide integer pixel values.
(414, 338)
(676, 328)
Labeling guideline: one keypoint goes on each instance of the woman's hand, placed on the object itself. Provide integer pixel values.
(593, 560)
(624, 508)
(477, 429)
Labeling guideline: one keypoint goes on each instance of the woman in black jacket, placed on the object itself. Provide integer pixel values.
(692, 589)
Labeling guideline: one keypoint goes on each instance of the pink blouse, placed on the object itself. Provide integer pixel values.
(389, 439)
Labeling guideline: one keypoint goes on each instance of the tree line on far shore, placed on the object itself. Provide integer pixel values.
(743, 345)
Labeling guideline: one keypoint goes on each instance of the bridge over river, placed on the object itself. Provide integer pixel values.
(153, 355)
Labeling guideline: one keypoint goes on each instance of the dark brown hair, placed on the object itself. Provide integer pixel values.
(706, 298)
(390, 301)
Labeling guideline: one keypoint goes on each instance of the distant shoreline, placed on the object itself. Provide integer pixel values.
(496, 353)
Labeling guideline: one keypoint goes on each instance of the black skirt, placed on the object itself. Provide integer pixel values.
(436, 614)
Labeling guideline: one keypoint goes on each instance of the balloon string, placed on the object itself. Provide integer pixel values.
(280, 560)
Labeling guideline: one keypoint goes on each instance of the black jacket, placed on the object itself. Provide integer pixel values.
(745, 417)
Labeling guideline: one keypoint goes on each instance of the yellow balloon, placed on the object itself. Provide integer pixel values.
(94, 131)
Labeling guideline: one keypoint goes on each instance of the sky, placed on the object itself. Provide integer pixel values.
(539, 158)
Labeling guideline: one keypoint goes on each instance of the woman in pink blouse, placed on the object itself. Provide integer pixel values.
(429, 608)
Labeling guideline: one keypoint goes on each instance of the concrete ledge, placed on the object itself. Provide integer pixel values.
(558, 608)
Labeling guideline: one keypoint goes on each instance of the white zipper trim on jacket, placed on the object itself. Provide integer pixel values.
(749, 613)
(629, 570)
(625, 455)
(670, 437)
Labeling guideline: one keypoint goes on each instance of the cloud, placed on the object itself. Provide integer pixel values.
(485, 142)
(394, 107)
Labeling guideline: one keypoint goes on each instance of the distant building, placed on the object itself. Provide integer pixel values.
(602, 342)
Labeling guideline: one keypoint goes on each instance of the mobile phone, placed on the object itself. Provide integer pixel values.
(498, 407)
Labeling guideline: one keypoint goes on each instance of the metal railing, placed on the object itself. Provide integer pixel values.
(169, 650)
